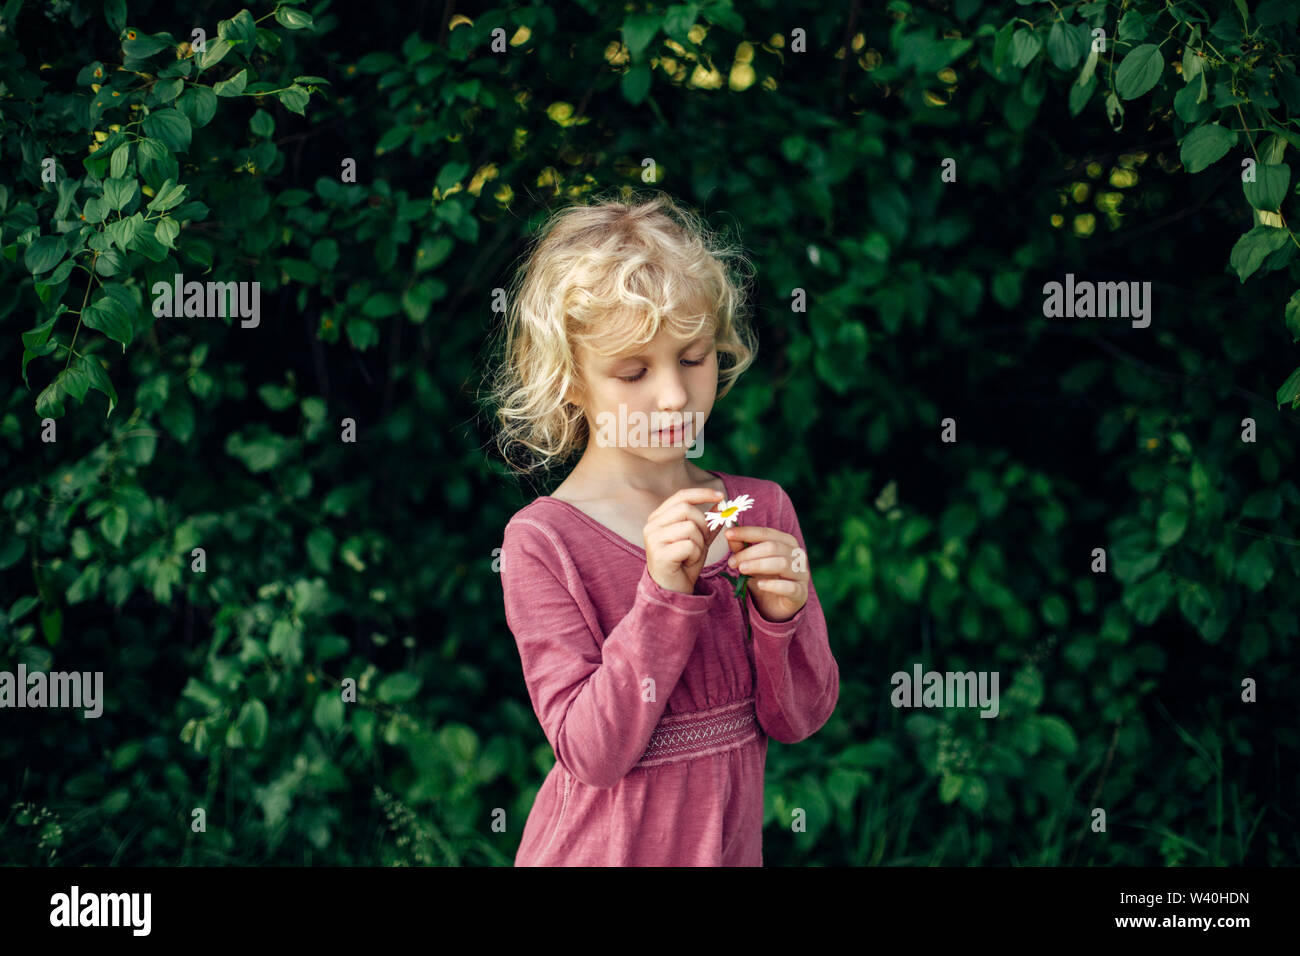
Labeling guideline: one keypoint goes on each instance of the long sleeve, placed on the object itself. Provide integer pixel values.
(797, 681)
(587, 695)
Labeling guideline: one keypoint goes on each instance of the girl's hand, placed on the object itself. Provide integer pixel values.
(677, 539)
(779, 591)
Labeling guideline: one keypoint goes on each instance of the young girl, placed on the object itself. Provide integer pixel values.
(656, 687)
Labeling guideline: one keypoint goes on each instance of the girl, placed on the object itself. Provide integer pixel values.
(655, 685)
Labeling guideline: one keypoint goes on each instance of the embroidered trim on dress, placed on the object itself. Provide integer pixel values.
(702, 733)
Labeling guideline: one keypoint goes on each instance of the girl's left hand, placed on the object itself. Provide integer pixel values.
(779, 591)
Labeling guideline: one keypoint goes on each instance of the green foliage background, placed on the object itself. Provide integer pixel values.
(374, 559)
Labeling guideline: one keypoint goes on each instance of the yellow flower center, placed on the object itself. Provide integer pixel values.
(729, 512)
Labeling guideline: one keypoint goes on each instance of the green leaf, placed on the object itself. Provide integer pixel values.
(115, 14)
(1139, 71)
(164, 91)
(1292, 316)
(295, 98)
(362, 334)
(418, 299)
(144, 46)
(1114, 109)
(113, 525)
(166, 231)
(1079, 95)
(252, 723)
(1190, 102)
(1147, 599)
(117, 166)
(450, 174)
(949, 789)
(199, 104)
(1270, 185)
(233, 86)
(23, 605)
(320, 549)
(240, 29)
(398, 687)
(325, 254)
(156, 162)
(1025, 45)
(1206, 145)
(638, 30)
(1254, 247)
(109, 316)
(11, 549)
(123, 231)
(1265, 504)
(1058, 734)
(286, 641)
(293, 18)
(381, 306)
(98, 379)
(44, 254)
(328, 712)
(38, 336)
(1002, 45)
(1254, 568)
(1288, 392)
(94, 210)
(168, 195)
(118, 192)
(1132, 27)
(1065, 45)
(259, 452)
(1170, 527)
(974, 793)
(262, 124)
(214, 53)
(170, 127)
(635, 84)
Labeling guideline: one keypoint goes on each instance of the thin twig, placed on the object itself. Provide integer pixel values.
(1096, 791)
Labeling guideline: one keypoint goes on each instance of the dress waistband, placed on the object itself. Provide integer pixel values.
(701, 733)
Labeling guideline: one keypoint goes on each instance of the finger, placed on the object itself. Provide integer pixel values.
(683, 530)
(679, 551)
(773, 565)
(756, 533)
(689, 496)
(777, 586)
(763, 549)
(685, 512)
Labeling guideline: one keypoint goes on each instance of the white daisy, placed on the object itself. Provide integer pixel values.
(728, 512)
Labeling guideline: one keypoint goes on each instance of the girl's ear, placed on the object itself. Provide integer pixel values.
(573, 395)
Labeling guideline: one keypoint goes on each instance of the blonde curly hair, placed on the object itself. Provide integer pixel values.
(608, 274)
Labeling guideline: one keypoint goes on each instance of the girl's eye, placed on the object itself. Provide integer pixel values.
(640, 375)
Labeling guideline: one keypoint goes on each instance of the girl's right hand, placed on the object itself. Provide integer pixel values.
(677, 539)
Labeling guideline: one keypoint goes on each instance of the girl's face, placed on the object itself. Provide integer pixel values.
(631, 397)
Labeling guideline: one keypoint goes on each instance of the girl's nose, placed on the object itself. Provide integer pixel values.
(672, 397)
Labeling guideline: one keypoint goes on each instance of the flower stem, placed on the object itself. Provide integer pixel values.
(738, 590)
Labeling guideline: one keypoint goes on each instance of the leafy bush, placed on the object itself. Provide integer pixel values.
(134, 158)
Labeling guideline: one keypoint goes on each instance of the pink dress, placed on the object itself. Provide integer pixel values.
(656, 707)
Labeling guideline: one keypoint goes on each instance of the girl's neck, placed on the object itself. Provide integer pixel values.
(606, 479)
